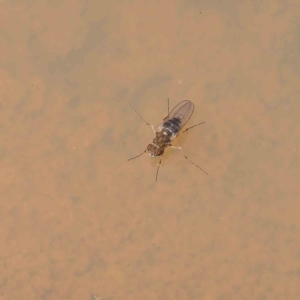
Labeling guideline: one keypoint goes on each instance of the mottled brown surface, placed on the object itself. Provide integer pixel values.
(78, 220)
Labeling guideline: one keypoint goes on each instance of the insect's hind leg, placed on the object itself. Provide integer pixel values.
(152, 126)
(179, 148)
(191, 127)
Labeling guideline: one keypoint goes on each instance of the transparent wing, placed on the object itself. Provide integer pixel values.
(183, 111)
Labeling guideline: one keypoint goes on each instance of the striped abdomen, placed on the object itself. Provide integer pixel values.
(173, 125)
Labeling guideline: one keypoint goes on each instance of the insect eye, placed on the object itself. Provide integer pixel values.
(159, 152)
(149, 148)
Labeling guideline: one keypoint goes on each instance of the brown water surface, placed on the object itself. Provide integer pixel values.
(78, 221)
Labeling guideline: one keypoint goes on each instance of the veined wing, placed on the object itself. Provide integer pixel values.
(183, 111)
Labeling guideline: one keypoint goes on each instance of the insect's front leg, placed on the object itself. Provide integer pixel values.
(137, 155)
(158, 167)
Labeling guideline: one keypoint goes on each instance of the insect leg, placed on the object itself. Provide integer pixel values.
(158, 168)
(191, 127)
(167, 117)
(152, 126)
(179, 148)
(137, 156)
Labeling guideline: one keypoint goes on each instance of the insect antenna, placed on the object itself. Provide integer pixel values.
(191, 127)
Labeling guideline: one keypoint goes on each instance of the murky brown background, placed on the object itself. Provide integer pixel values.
(80, 222)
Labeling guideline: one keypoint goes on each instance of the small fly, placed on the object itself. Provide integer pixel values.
(168, 130)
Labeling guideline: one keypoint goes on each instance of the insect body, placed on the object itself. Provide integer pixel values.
(168, 130)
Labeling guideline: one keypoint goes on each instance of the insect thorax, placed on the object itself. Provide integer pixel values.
(167, 131)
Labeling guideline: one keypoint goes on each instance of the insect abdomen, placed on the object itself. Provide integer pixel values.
(173, 125)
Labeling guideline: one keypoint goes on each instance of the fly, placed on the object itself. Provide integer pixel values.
(168, 130)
